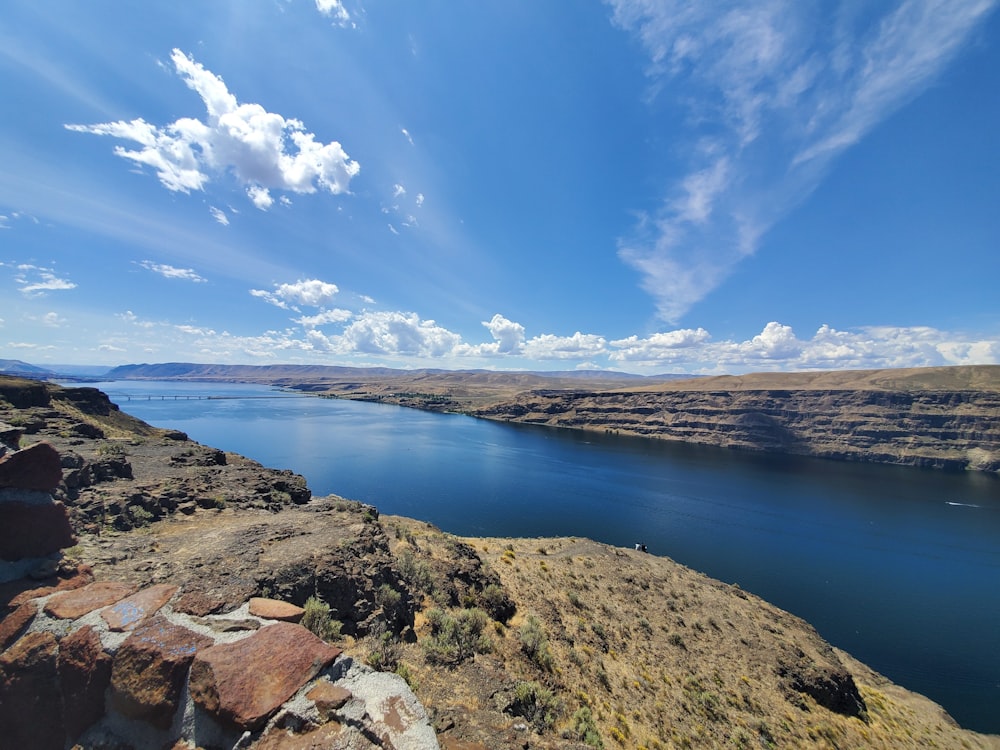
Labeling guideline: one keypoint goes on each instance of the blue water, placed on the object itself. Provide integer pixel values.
(898, 566)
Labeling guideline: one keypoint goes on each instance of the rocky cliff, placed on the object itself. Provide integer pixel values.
(915, 424)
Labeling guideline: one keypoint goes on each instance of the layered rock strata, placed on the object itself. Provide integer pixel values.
(940, 429)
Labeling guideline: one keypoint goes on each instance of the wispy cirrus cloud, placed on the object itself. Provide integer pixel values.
(263, 150)
(36, 281)
(774, 90)
(172, 272)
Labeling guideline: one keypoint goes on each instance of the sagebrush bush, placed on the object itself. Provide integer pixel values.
(317, 619)
(535, 644)
(537, 704)
(455, 638)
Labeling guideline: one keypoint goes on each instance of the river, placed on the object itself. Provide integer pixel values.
(898, 566)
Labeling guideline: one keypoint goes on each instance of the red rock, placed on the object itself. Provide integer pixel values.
(33, 529)
(148, 671)
(84, 673)
(15, 623)
(30, 705)
(199, 603)
(73, 604)
(328, 697)
(244, 683)
(36, 467)
(273, 609)
(18, 592)
(129, 612)
(327, 735)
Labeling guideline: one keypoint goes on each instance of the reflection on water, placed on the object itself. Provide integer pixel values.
(898, 566)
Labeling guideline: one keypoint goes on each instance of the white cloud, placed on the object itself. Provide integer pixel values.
(263, 150)
(35, 281)
(311, 292)
(260, 197)
(335, 10)
(420, 199)
(508, 338)
(325, 317)
(171, 272)
(219, 215)
(52, 320)
(395, 333)
(406, 134)
(577, 346)
(398, 190)
(775, 90)
(777, 347)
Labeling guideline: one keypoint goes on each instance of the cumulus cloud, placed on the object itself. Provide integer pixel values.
(171, 272)
(309, 292)
(325, 317)
(577, 346)
(783, 80)
(508, 338)
(36, 281)
(335, 10)
(264, 151)
(777, 347)
(395, 333)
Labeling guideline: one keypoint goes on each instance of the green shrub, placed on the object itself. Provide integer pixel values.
(536, 703)
(387, 597)
(585, 728)
(455, 638)
(415, 572)
(535, 644)
(317, 619)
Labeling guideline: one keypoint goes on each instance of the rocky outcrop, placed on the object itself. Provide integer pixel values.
(940, 429)
(114, 664)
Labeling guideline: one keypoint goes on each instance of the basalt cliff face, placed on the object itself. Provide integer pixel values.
(155, 593)
(949, 429)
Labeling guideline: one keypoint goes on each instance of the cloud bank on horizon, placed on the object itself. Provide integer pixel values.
(735, 116)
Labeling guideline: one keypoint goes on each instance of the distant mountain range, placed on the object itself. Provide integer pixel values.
(21, 369)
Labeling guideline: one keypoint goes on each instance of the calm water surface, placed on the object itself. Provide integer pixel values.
(898, 566)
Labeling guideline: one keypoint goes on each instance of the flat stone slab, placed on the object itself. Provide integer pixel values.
(242, 684)
(73, 604)
(126, 614)
(274, 609)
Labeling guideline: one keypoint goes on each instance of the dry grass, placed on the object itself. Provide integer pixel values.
(653, 654)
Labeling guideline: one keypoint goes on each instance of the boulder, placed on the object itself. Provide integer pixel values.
(33, 529)
(148, 672)
(84, 673)
(243, 683)
(30, 705)
(273, 609)
(36, 467)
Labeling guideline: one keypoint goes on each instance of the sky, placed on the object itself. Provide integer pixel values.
(649, 186)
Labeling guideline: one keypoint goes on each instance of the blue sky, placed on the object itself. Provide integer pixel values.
(632, 184)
